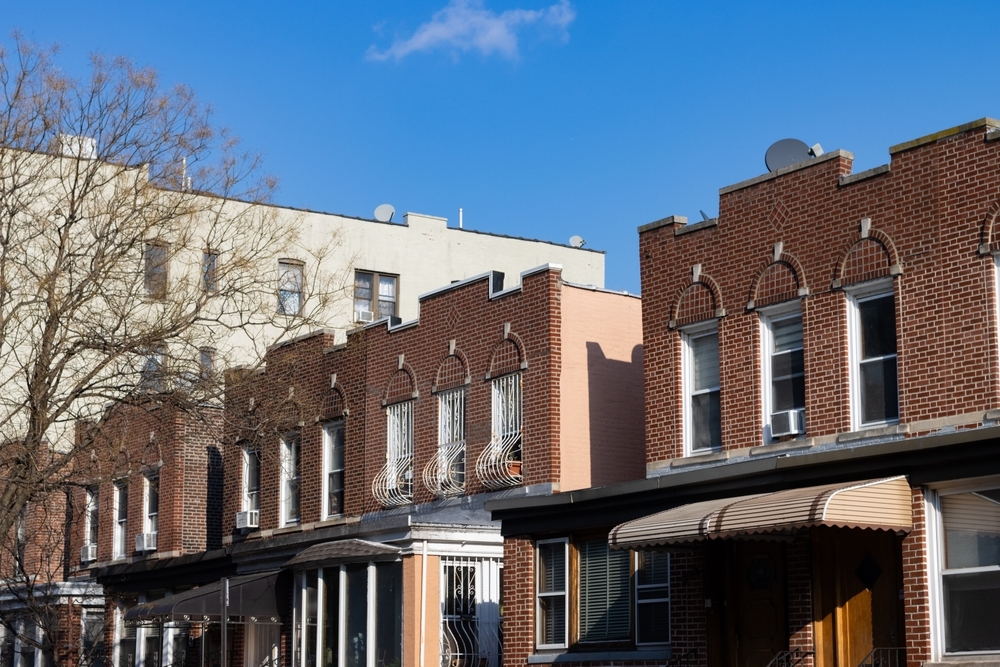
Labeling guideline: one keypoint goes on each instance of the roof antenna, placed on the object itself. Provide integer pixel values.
(704, 216)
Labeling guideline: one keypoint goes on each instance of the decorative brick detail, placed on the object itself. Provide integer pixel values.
(452, 373)
(777, 283)
(402, 386)
(866, 260)
(507, 358)
(696, 303)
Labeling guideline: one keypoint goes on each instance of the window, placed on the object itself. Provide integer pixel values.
(90, 517)
(155, 269)
(969, 559)
(125, 640)
(470, 611)
(783, 374)
(652, 597)
(209, 265)
(121, 519)
(333, 468)
(92, 647)
(22, 539)
(553, 563)
(393, 486)
(289, 288)
(449, 478)
(152, 505)
(251, 479)
(603, 598)
(872, 319)
(702, 410)
(152, 369)
(381, 303)
(351, 615)
(206, 363)
(290, 470)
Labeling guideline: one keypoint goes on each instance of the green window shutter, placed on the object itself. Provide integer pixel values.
(604, 592)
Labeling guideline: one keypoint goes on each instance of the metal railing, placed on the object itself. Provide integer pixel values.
(684, 659)
(444, 475)
(885, 657)
(499, 466)
(393, 486)
(791, 658)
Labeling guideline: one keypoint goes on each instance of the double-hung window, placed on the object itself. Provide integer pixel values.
(872, 338)
(450, 478)
(92, 647)
(121, 519)
(251, 479)
(155, 260)
(603, 592)
(552, 603)
(399, 454)
(652, 597)
(90, 518)
(151, 514)
(290, 287)
(702, 406)
(784, 374)
(968, 557)
(209, 270)
(290, 471)
(333, 469)
(375, 293)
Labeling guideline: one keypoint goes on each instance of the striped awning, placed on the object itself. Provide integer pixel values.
(881, 504)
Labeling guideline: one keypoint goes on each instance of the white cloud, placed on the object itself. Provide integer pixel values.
(465, 25)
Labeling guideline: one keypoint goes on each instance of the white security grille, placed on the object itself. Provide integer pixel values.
(444, 475)
(393, 485)
(470, 612)
(499, 465)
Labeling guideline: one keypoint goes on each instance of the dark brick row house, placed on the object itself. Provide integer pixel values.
(822, 394)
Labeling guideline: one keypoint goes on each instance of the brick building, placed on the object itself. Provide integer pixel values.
(340, 491)
(822, 474)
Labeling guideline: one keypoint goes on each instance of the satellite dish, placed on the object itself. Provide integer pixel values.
(786, 152)
(576, 241)
(384, 212)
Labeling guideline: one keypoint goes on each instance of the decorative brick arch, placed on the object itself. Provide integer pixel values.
(333, 405)
(507, 357)
(780, 279)
(871, 256)
(402, 386)
(700, 300)
(988, 243)
(453, 372)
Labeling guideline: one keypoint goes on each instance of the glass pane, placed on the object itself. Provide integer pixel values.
(879, 399)
(122, 502)
(253, 472)
(971, 529)
(787, 334)
(705, 351)
(336, 491)
(706, 421)
(357, 616)
(653, 622)
(363, 291)
(331, 615)
(788, 394)
(652, 568)
(386, 308)
(311, 592)
(552, 619)
(878, 326)
(153, 499)
(388, 614)
(551, 567)
(785, 364)
(386, 289)
(972, 611)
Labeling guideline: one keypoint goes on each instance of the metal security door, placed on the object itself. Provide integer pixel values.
(470, 613)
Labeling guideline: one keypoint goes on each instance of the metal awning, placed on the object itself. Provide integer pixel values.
(882, 504)
(255, 598)
(344, 551)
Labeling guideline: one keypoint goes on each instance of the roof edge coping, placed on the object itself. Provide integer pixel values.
(943, 134)
(839, 153)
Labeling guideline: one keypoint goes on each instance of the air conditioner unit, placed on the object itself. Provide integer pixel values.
(250, 519)
(364, 316)
(88, 553)
(787, 423)
(145, 542)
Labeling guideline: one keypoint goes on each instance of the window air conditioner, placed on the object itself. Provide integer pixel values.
(787, 423)
(364, 316)
(250, 519)
(88, 553)
(145, 542)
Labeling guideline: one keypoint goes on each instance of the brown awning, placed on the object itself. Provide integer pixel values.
(255, 598)
(881, 504)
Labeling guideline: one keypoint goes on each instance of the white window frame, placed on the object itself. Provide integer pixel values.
(91, 515)
(93, 611)
(636, 602)
(291, 284)
(329, 440)
(120, 533)
(246, 504)
(768, 316)
(935, 559)
(150, 519)
(286, 477)
(857, 295)
(565, 593)
(688, 334)
(996, 302)
(399, 443)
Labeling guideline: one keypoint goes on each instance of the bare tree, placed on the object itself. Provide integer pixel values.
(138, 254)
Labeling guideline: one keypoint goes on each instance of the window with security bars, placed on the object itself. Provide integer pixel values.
(375, 293)
(399, 449)
(553, 563)
(873, 341)
(603, 592)
(451, 441)
(652, 597)
(507, 414)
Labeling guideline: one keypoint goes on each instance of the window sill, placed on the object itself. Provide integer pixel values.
(599, 656)
(698, 458)
(874, 431)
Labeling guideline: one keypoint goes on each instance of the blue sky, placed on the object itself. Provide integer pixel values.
(545, 118)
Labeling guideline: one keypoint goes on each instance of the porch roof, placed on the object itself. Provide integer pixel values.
(344, 551)
(256, 597)
(881, 504)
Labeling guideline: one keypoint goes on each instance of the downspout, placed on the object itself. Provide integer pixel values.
(423, 603)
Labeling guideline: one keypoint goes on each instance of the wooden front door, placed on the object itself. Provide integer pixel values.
(856, 603)
(757, 609)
